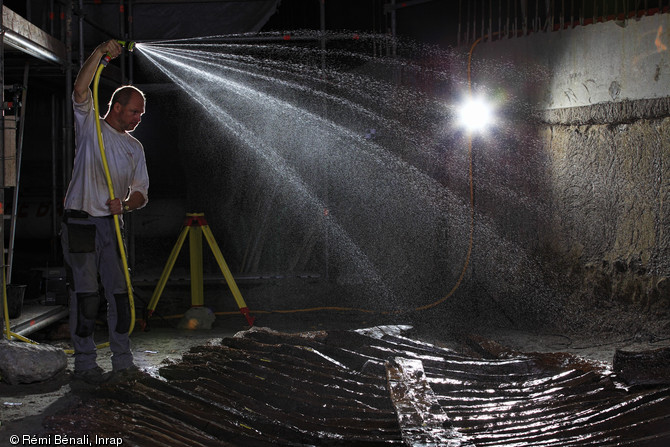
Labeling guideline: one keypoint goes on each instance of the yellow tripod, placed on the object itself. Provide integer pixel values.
(195, 226)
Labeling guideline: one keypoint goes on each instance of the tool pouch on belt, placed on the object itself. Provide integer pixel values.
(81, 238)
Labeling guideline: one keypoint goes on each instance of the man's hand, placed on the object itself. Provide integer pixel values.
(112, 47)
(115, 206)
(87, 71)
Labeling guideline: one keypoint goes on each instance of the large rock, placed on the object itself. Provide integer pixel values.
(27, 363)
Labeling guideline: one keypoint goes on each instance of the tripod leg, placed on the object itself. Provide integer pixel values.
(226, 273)
(195, 250)
(166, 271)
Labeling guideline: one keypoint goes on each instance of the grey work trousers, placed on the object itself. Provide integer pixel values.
(95, 253)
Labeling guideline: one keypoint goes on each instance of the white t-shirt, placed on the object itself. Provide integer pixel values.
(88, 190)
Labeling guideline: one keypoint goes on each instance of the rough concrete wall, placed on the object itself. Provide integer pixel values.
(610, 188)
(601, 165)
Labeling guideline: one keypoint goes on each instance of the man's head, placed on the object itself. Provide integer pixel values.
(126, 108)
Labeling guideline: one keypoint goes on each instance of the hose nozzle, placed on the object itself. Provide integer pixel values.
(128, 45)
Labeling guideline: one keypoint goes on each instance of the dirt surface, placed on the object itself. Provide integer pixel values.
(23, 407)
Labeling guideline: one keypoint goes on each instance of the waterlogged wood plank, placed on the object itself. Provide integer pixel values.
(271, 388)
(643, 367)
(422, 420)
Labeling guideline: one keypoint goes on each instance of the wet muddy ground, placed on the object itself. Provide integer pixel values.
(260, 358)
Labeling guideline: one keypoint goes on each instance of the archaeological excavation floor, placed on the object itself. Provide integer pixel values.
(349, 380)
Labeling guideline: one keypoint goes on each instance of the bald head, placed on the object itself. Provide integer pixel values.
(126, 108)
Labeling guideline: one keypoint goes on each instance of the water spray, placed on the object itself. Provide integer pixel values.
(185, 58)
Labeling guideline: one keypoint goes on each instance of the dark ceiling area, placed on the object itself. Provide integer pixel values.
(94, 21)
(424, 20)
(155, 19)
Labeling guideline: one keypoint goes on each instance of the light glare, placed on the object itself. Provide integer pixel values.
(475, 114)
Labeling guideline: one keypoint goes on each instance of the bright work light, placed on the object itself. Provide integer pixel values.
(475, 114)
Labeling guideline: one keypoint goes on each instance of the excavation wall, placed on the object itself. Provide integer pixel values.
(591, 176)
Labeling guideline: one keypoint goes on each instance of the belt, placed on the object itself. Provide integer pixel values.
(78, 214)
(75, 214)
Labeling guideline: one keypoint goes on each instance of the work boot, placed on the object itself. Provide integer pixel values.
(126, 375)
(95, 375)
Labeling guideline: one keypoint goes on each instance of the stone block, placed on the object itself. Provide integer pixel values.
(27, 363)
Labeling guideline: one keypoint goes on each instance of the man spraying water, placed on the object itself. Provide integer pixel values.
(88, 230)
